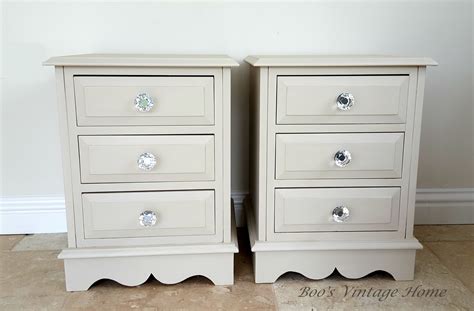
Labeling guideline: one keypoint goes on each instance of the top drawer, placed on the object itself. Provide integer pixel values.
(342, 99)
(112, 100)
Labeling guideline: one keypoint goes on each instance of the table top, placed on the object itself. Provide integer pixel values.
(142, 60)
(336, 60)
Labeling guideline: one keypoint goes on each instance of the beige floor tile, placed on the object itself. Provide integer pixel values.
(27, 277)
(47, 303)
(7, 242)
(35, 280)
(195, 293)
(430, 274)
(433, 233)
(458, 257)
(31, 274)
(42, 242)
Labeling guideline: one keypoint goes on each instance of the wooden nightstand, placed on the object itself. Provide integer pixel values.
(146, 154)
(334, 164)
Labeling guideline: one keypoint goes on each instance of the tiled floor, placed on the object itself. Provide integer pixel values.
(31, 278)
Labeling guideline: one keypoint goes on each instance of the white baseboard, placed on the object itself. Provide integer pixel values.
(32, 215)
(47, 214)
(445, 206)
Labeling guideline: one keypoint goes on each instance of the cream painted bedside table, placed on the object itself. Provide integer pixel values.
(146, 157)
(335, 156)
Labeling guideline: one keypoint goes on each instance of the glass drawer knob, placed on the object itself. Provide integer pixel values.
(340, 214)
(143, 102)
(342, 158)
(345, 101)
(147, 218)
(146, 161)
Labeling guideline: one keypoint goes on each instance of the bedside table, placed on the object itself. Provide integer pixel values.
(146, 157)
(335, 153)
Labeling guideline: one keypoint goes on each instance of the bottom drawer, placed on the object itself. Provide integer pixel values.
(336, 209)
(148, 214)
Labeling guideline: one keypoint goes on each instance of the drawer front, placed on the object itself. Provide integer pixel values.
(312, 156)
(355, 209)
(117, 215)
(176, 157)
(313, 99)
(176, 100)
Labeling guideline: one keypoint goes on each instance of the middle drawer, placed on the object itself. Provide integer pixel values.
(146, 158)
(341, 155)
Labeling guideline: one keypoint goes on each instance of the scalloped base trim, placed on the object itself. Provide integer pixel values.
(319, 264)
(81, 273)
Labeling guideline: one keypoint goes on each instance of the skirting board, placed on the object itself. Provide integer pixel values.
(47, 214)
(32, 215)
(444, 206)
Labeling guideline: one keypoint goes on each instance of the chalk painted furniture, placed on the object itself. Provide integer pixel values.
(334, 164)
(146, 157)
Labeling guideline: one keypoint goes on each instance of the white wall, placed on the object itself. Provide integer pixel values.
(34, 31)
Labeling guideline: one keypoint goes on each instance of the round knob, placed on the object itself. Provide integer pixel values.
(147, 218)
(345, 101)
(143, 102)
(340, 214)
(146, 161)
(342, 158)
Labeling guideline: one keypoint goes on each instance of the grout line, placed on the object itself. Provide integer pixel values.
(276, 305)
(454, 275)
(444, 241)
(10, 249)
(17, 242)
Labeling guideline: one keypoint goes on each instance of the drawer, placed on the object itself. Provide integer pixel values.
(321, 156)
(146, 158)
(111, 100)
(165, 213)
(354, 209)
(314, 99)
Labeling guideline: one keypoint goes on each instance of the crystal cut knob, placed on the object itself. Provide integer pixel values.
(143, 102)
(342, 158)
(147, 218)
(345, 101)
(146, 161)
(340, 214)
